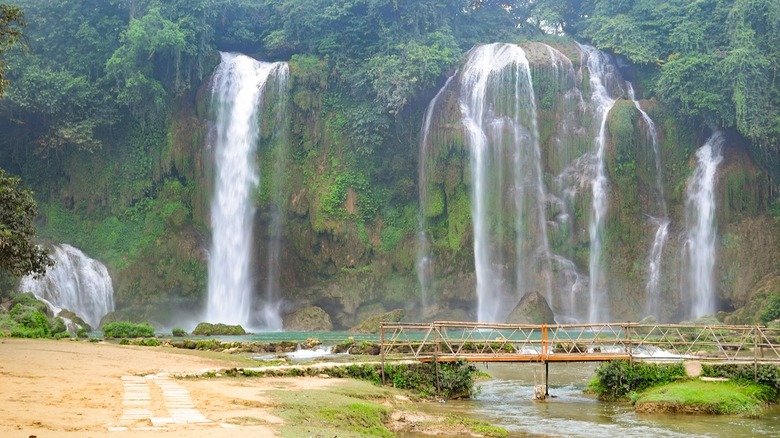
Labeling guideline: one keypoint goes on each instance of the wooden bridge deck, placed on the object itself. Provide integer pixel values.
(477, 342)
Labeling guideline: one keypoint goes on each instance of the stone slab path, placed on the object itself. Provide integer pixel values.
(142, 411)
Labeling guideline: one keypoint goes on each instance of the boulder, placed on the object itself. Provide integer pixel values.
(207, 329)
(532, 309)
(371, 325)
(308, 319)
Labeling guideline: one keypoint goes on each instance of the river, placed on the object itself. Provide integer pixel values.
(506, 401)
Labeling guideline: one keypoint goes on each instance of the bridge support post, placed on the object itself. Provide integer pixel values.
(382, 349)
(546, 379)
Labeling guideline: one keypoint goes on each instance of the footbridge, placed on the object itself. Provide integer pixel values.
(443, 341)
(486, 342)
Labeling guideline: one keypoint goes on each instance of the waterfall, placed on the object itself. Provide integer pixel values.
(700, 221)
(239, 86)
(661, 222)
(506, 179)
(76, 283)
(601, 74)
(271, 306)
(425, 274)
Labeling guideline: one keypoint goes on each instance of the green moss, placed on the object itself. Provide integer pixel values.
(458, 218)
(219, 329)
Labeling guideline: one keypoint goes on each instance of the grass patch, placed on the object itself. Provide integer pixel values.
(695, 396)
(479, 427)
(332, 412)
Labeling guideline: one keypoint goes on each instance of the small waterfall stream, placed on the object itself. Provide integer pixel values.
(700, 221)
(499, 116)
(76, 283)
(425, 273)
(601, 74)
(661, 220)
(239, 87)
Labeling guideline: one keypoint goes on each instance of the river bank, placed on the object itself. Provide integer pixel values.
(83, 389)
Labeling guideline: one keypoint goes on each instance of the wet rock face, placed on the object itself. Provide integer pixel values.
(308, 319)
(532, 309)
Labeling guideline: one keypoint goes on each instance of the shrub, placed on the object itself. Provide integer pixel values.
(125, 329)
(771, 310)
(81, 332)
(617, 378)
(178, 332)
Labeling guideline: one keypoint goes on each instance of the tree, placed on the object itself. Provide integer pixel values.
(18, 254)
(11, 21)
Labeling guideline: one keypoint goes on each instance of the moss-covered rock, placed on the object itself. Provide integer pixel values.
(371, 325)
(308, 319)
(219, 329)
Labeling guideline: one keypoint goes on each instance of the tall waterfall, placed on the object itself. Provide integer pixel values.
(425, 274)
(270, 314)
(499, 116)
(700, 221)
(239, 87)
(660, 220)
(76, 283)
(601, 74)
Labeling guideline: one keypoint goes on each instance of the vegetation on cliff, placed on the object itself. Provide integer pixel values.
(106, 118)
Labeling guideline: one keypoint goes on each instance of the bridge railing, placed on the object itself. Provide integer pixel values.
(447, 340)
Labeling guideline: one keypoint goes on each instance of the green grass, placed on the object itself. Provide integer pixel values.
(710, 397)
(341, 411)
(479, 427)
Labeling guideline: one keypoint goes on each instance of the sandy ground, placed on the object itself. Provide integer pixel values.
(75, 389)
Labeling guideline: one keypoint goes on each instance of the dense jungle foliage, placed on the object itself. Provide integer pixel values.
(98, 114)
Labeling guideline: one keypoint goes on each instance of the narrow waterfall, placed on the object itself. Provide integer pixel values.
(239, 86)
(601, 74)
(271, 306)
(499, 117)
(660, 220)
(425, 274)
(569, 141)
(700, 221)
(76, 283)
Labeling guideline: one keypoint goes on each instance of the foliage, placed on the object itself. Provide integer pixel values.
(764, 374)
(11, 22)
(124, 329)
(771, 310)
(615, 379)
(178, 332)
(19, 255)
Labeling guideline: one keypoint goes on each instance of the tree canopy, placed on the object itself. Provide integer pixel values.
(97, 65)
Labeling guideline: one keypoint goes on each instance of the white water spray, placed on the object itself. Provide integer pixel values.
(76, 283)
(425, 274)
(502, 136)
(653, 288)
(239, 84)
(700, 221)
(601, 73)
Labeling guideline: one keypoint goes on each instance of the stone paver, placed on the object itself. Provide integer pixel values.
(137, 405)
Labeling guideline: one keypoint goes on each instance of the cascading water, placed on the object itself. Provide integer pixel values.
(424, 262)
(700, 221)
(661, 221)
(601, 73)
(239, 86)
(502, 136)
(76, 283)
(271, 306)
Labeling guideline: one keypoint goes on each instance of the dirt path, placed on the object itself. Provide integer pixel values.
(79, 389)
